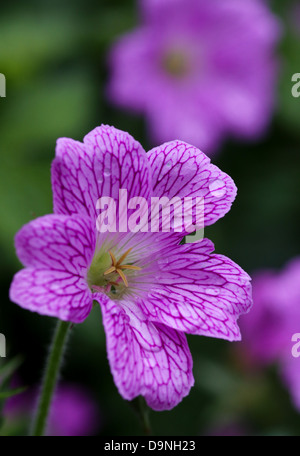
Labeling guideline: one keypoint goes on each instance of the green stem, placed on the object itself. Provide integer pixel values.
(144, 414)
(142, 410)
(50, 378)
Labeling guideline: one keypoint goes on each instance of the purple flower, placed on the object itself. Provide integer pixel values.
(73, 411)
(151, 289)
(199, 70)
(274, 320)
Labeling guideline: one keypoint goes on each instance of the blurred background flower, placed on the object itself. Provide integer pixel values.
(199, 70)
(269, 327)
(74, 412)
(54, 56)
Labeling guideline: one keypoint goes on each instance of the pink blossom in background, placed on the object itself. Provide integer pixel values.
(73, 411)
(294, 17)
(275, 317)
(151, 289)
(199, 70)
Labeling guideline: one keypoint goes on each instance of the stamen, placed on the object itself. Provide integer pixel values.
(112, 269)
(124, 256)
(113, 258)
(123, 276)
(129, 266)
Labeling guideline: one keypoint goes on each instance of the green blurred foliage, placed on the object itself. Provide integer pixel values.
(54, 57)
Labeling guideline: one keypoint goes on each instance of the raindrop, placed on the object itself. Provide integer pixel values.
(152, 362)
(107, 172)
(217, 188)
(212, 291)
(167, 167)
(163, 262)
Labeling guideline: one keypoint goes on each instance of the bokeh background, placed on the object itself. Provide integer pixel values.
(54, 57)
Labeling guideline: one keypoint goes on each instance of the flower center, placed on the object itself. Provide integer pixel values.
(175, 63)
(106, 273)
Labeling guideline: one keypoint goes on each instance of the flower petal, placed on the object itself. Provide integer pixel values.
(53, 293)
(196, 123)
(200, 293)
(179, 169)
(57, 251)
(145, 358)
(57, 242)
(108, 160)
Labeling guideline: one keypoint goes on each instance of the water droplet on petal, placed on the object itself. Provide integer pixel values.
(163, 262)
(179, 298)
(107, 172)
(217, 188)
(152, 362)
(166, 168)
(212, 291)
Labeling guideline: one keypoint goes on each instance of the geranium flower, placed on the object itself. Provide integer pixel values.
(199, 70)
(169, 289)
(274, 320)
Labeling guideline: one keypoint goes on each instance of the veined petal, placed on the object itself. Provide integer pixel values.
(53, 293)
(146, 359)
(57, 251)
(179, 169)
(200, 293)
(108, 160)
(57, 242)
